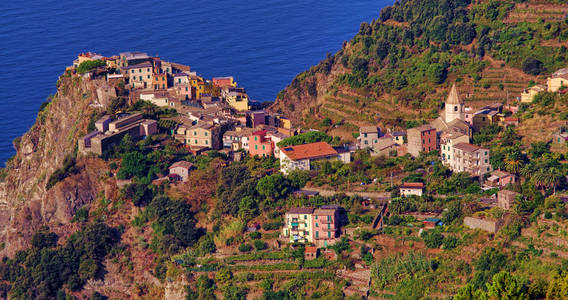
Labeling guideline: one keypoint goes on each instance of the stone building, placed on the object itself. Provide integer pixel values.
(422, 139)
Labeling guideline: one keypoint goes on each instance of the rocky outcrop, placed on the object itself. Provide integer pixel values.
(25, 202)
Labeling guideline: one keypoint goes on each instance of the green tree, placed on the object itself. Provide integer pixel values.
(533, 66)
(469, 292)
(506, 286)
(133, 165)
(432, 238)
(274, 186)
(248, 208)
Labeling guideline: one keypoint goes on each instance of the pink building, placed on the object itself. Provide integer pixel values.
(468, 116)
(325, 222)
(260, 144)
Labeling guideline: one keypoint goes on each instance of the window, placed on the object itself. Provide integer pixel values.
(139, 70)
(186, 88)
(366, 142)
(485, 152)
(263, 148)
(206, 142)
(486, 161)
(317, 225)
(316, 217)
(140, 78)
(255, 147)
(364, 135)
(256, 138)
(148, 76)
(195, 133)
(455, 108)
(196, 141)
(132, 71)
(163, 86)
(329, 234)
(206, 133)
(317, 234)
(179, 80)
(305, 217)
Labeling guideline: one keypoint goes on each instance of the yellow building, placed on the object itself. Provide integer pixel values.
(298, 224)
(238, 100)
(205, 136)
(484, 118)
(527, 95)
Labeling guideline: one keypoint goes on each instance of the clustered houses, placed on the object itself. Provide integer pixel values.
(318, 226)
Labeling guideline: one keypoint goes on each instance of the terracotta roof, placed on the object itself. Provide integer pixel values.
(310, 249)
(467, 147)
(301, 210)
(182, 164)
(500, 173)
(413, 185)
(307, 151)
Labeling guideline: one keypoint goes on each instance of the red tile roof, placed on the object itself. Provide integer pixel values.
(310, 249)
(413, 185)
(309, 151)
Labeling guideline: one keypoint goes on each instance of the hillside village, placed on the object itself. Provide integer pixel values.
(210, 118)
(426, 159)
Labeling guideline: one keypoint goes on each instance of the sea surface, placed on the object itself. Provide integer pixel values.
(262, 43)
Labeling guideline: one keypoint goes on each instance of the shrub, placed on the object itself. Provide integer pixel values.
(62, 173)
(272, 226)
(245, 247)
(255, 235)
(260, 245)
(432, 238)
(89, 65)
(533, 66)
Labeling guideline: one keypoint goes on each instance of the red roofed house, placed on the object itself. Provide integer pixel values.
(260, 144)
(412, 188)
(300, 157)
(310, 253)
(224, 82)
(181, 168)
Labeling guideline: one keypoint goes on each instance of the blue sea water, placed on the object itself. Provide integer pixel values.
(262, 43)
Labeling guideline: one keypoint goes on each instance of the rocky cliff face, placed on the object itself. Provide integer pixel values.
(25, 203)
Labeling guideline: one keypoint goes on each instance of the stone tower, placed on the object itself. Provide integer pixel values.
(454, 106)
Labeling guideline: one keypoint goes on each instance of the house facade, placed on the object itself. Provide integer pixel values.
(422, 139)
(298, 224)
(527, 96)
(139, 75)
(260, 144)
(412, 188)
(182, 169)
(557, 80)
(469, 158)
(447, 142)
(203, 136)
(325, 222)
(506, 199)
(368, 136)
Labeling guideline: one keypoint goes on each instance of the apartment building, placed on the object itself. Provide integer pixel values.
(469, 158)
(422, 139)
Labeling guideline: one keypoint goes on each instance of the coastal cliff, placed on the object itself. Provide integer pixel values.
(26, 203)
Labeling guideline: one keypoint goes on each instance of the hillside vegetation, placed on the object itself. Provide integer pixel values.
(401, 65)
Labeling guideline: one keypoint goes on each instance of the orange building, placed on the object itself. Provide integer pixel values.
(160, 81)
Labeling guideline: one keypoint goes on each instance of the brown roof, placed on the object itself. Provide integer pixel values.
(301, 210)
(413, 185)
(423, 128)
(324, 212)
(500, 173)
(307, 151)
(310, 249)
(368, 129)
(467, 147)
(182, 163)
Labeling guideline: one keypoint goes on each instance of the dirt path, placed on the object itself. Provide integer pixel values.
(328, 193)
